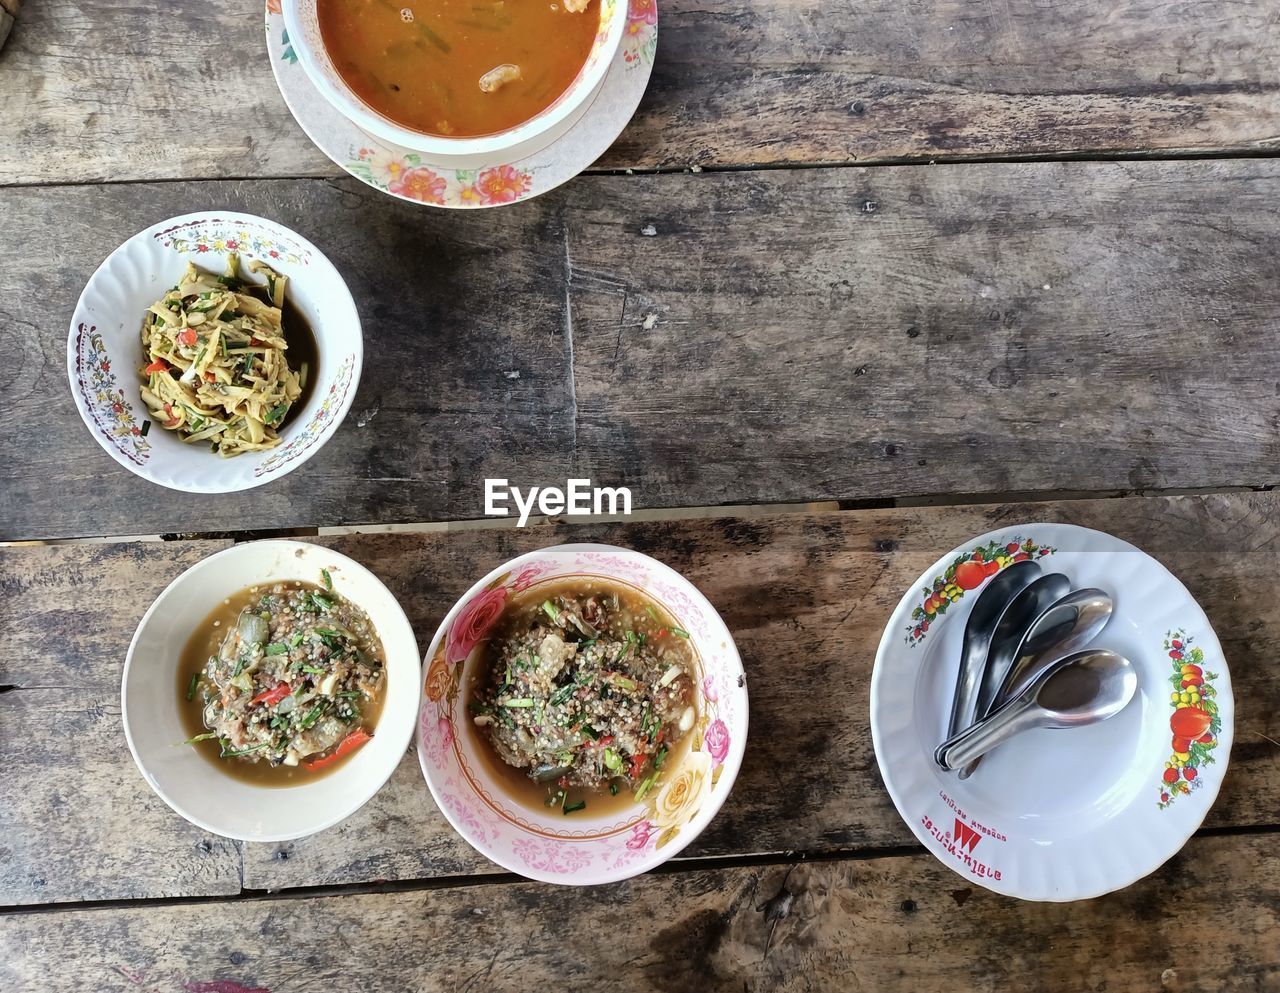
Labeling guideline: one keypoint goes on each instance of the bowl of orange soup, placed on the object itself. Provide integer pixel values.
(458, 78)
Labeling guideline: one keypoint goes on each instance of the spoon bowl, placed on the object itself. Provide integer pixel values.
(1075, 691)
(1067, 626)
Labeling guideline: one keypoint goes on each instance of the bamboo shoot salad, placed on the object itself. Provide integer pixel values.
(216, 359)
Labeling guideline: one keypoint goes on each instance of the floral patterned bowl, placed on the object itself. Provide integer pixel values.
(303, 26)
(104, 354)
(545, 845)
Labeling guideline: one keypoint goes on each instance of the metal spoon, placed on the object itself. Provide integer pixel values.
(986, 611)
(1010, 631)
(1067, 626)
(1075, 691)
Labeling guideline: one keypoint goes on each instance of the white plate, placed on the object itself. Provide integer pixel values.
(1056, 814)
(447, 181)
(104, 352)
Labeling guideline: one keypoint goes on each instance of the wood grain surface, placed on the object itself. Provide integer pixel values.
(722, 339)
(902, 923)
(77, 821)
(105, 91)
(806, 597)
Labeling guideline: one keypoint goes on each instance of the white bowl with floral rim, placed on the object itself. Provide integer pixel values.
(584, 849)
(303, 25)
(194, 786)
(1057, 814)
(104, 351)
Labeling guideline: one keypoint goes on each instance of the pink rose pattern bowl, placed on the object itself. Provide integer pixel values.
(572, 850)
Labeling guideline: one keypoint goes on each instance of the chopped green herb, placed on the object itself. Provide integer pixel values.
(191, 686)
(277, 648)
(349, 695)
(657, 759)
(571, 808)
(314, 714)
(314, 668)
(200, 737)
(651, 612)
(227, 754)
(146, 426)
(276, 413)
(562, 694)
(613, 789)
(550, 609)
(682, 634)
(612, 760)
(626, 649)
(520, 702)
(296, 640)
(328, 580)
(646, 786)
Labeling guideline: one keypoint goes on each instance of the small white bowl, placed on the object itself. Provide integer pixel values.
(303, 26)
(104, 351)
(192, 785)
(588, 848)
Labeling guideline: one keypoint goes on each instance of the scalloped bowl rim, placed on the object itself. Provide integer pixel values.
(239, 473)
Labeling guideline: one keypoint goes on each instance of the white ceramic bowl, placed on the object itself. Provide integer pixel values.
(104, 352)
(583, 849)
(191, 784)
(303, 26)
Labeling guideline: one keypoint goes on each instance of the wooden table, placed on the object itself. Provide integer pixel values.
(939, 265)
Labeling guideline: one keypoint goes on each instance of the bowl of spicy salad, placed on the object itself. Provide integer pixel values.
(584, 714)
(270, 690)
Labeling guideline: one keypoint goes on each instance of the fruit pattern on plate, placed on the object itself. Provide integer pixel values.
(969, 571)
(1194, 722)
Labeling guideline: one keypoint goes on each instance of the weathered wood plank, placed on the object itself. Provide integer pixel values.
(98, 92)
(906, 331)
(77, 821)
(1207, 921)
(805, 595)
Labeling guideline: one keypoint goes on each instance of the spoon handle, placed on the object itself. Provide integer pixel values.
(974, 742)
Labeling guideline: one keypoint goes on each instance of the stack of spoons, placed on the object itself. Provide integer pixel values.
(1025, 663)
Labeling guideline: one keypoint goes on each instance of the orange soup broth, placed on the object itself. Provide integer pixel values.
(420, 63)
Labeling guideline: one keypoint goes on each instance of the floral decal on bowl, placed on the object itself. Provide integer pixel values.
(640, 36)
(105, 400)
(1194, 722)
(221, 237)
(403, 174)
(969, 571)
(314, 428)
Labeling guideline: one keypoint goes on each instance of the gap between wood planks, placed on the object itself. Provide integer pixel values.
(1068, 155)
(650, 514)
(677, 865)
